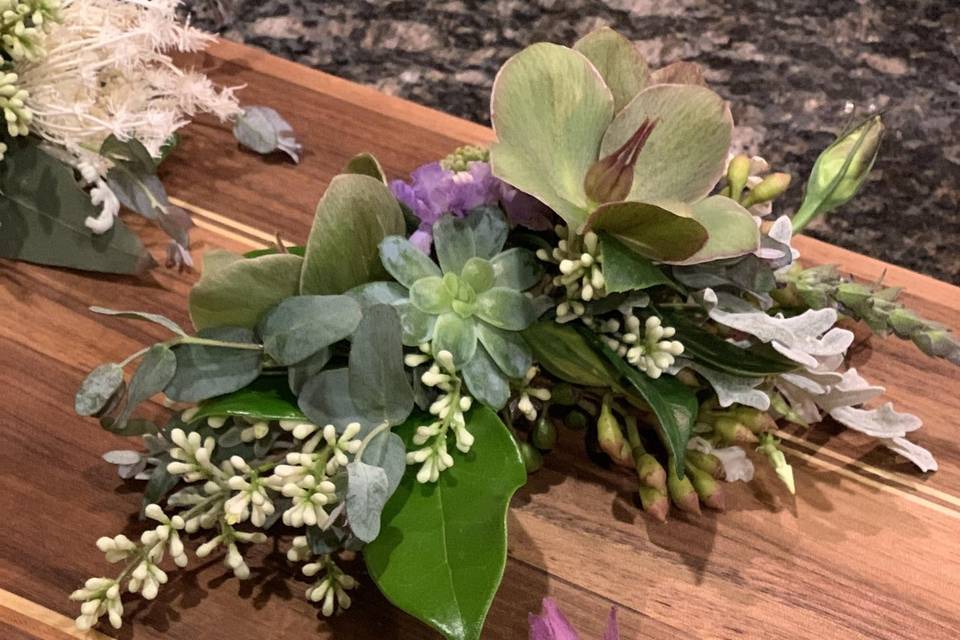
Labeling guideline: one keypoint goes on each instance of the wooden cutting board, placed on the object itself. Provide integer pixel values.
(868, 547)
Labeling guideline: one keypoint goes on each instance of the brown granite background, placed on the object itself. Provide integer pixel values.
(794, 71)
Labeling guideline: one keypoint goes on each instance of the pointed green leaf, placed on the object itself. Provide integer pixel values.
(564, 353)
(430, 295)
(456, 335)
(237, 292)
(506, 309)
(300, 326)
(454, 240)
(490, 230)
(516, 268)
(379, 385)
(485, 381)
(626, 270)
(686, 154)
(550, 108)
(405, 262)
(619, 62)
(42, 217)
(266, 398)
(731, 230)
(355, 214)
(508, 349)
(653, 231)
(374, 293)
(433, 531)
(674, 403)
(366, 164)
(204, 371)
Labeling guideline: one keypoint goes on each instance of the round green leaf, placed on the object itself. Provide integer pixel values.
(478, 273)
(416, 325)
(651, 230)
(506, 309)
(455, 242)
(379, 384)
(731, 230)
(266, 398)
(508, 349)
(619, 62)
(431, 295)
(485, 381)
(686, 154)
(451, 535)
(550, 108)
(205, 371)
(456, 335)
(516, 268)
(405, 262)
(300, 326)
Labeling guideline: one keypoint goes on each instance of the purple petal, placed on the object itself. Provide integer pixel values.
(613, 629)
(525, 210)
(550, 624)
(422, 239)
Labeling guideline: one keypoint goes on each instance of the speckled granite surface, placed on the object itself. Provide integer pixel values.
(792, 71)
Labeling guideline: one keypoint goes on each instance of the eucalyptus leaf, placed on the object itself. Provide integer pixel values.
(98, 388)
(299, 373)
(237, 292)
(674, 404)
(355, 214)
(731, 231)
(405, 262)
(378, 381)
(156, 370)
(686, 153)
(325, 399)
(367, 165)
(387, 451)
(619, 62)
(266, 398)
(163, 321)
(653, 231)
(43, 216)
(300, 326)
(444, 521)
(549, 108)
(485, 381)
(264, 130)
(367, 493)
(516, 268)
(205, 371)
(564, 353)
(625, 270)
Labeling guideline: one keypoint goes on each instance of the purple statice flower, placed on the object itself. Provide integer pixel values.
(551, 624)
(434, 191)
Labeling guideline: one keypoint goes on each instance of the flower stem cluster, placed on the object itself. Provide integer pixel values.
(642, 344)
(449, 409)
(525, 404)
(579, 260)
(332, 588)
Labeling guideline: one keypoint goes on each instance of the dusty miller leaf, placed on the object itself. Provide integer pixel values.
(97, 389)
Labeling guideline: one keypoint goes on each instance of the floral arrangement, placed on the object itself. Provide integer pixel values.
(92, 102)
(605, 267)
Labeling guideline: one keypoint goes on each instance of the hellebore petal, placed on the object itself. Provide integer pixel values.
(686, 154)
(731, 230)
(550, 108)
(619, 62)
(652, 230)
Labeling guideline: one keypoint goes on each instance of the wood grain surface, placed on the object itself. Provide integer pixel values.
(867, 548)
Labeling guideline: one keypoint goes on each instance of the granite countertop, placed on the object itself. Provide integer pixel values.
(793, 71)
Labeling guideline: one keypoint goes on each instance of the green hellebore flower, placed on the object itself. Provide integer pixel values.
(472, 304)
(840, 171)
(584, 131)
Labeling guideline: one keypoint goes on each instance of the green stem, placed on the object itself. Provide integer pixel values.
(370, 436)
(207, 342)
(134, 356)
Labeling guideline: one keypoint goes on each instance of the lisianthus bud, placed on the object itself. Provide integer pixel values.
(737, 173)
(610, 178)
(840, 171)
(770, 188)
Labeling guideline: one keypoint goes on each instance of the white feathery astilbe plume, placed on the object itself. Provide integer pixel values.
(108, 71)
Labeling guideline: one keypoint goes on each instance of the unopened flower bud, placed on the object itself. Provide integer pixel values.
(610, 437)
(737, 173)
(609, 179)
(770, 188)
(840, 171)
(544, 434)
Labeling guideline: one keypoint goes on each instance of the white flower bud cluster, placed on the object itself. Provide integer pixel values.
(165, 534)
(331, 589)
(449, 409)
(579, 260)
(525, 405)
(192, 456)
(299, 549)
(233, 559)
(252, 500)
(13, 107)
(647, 351)
(99, 596)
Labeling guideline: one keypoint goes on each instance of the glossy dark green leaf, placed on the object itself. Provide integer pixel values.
(367, 165)
(237, 292)
(387, 451)
(717, 353)
(300, 326)
(452, 534)
(564, 353)
(97, 389)
(205, 372)
(325, 399)
(379, 384)
(42, 217)
(625, 270)
(155, 318)
(355, 214)
(673, 402)
(485, 381)
(266, 398)
(367, 488)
